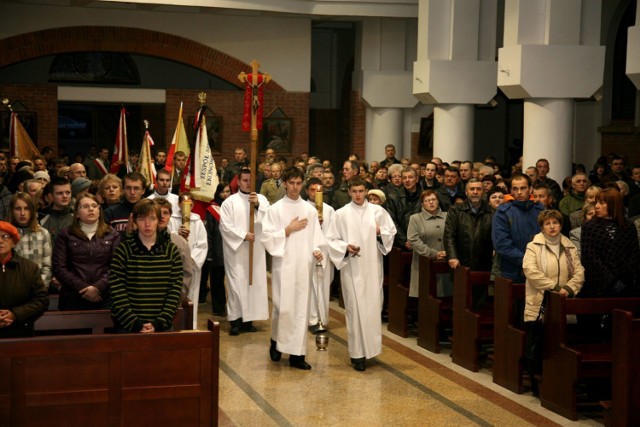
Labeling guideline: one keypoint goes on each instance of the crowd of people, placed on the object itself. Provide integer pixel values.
(113, 241)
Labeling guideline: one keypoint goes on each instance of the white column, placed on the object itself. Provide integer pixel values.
(386, 128)
(453, 132)
(548, 133)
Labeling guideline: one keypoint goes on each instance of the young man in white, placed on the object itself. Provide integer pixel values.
(291, 233)
(314, 185)
(196, 236)
(359, 235)
(246, 301)
(163, 188)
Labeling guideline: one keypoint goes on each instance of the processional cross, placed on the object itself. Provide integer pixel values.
(252, 121)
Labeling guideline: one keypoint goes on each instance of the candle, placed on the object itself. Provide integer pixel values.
(319, 204)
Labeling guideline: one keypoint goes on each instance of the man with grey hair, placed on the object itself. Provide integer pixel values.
(315, 170)
(575, 199)
(76, 170)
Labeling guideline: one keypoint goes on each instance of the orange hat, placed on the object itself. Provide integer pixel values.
(5, 227)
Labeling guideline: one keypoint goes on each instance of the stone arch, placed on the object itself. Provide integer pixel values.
(128, 40)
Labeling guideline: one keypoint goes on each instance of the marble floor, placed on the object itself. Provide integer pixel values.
(404, 386)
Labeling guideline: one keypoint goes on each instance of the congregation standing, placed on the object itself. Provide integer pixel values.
(103, 240)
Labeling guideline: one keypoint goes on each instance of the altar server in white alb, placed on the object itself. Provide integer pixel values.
(196, 236)
(359, 235)
(291, 233)
(323, 274)
(246, 301)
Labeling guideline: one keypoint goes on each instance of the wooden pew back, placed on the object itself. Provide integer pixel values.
(509, 338)
(565, 362)
(111, 380)
(435, 312)
(99, 321)
(470, 326)
(400, 305)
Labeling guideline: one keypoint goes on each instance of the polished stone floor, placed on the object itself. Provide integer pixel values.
(404, 386)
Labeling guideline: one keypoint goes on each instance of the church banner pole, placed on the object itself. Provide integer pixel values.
(252, 121)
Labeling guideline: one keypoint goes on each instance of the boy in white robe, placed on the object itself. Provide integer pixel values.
(196, 236)
(325, 275)
(291, 233)
(245, 302)
(359, 235)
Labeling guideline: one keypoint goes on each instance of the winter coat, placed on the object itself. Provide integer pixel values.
(467, 236)
(23, 292)
(79, 263)
(545, 270)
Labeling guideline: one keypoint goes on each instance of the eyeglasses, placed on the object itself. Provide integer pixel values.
(5, 237)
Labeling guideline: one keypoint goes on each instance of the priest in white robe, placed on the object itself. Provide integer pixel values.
(246, 301)
(196, 237)
(359, 235)
(319, 307)
(291, 233)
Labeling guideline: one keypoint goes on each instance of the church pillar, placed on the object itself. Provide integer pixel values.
(456, 69)
(453, 131)
(386, 126)
(633, 52)
(551, 56)
(382, 75)
(548, 126)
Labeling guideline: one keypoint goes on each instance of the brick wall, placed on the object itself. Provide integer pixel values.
(228, 104)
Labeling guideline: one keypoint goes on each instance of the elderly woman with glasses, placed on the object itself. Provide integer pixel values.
(23, 296)
(82, 256)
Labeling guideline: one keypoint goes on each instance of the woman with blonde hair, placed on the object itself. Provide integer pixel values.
(550, 262)
(82, 257)
(35, 241)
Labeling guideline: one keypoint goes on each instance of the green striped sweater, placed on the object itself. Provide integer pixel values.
(146, 285)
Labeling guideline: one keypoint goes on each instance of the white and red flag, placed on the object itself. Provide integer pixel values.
(121, 150)
(147, 168)
(201, 176)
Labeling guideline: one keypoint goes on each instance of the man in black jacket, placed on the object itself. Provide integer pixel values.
(467, 231)
(405, 203)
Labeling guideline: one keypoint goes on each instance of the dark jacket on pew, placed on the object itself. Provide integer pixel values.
(611, 258)
(467, 236)
(79, 263)
(23, 292)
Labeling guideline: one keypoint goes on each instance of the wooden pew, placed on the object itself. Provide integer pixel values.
(435, 312)
(568, 360)
(471, 327)
(111, 380)
(509, 339)
(99, 321)
(400, 305)
(622, 409)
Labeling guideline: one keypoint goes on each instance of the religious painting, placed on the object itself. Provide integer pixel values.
(29, 120)
(276, 134)
(214, 132)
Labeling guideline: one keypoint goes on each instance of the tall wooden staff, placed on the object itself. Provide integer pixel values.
(252, 121)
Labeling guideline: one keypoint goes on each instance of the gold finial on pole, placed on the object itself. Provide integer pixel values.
(146, 124)
(202, 97)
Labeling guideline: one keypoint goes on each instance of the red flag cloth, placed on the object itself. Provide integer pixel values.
(249, 102)
(121, 150)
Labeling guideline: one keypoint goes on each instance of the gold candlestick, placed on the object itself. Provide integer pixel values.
(185, 211)
(319, 204)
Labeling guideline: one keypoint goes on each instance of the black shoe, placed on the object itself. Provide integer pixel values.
(248, 327)
(314, 328)
(235, 327)
(299, 362)
(359, 364)
(274, 353)
(219, 313)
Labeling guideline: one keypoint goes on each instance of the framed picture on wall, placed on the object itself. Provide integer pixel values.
(214, 132)
(276, 134)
